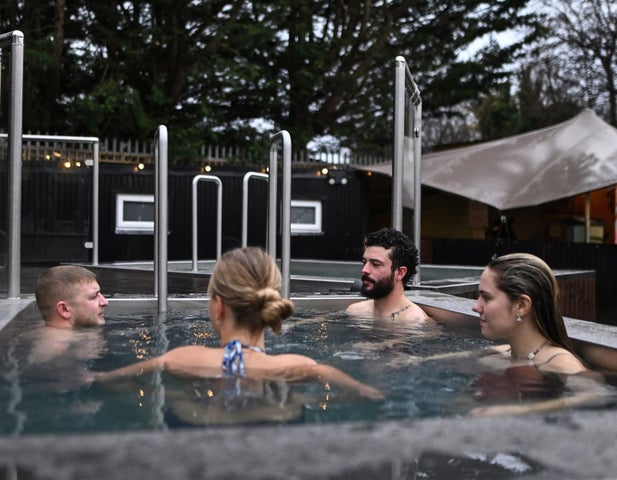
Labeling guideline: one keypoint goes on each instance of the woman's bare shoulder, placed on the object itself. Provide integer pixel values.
(560, 360)
(290, 360)
(190, 354)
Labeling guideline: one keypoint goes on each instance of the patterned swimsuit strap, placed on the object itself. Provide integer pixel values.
(233, 359)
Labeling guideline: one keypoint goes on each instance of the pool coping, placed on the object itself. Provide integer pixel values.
(335, 451)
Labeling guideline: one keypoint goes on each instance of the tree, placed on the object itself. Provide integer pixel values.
(235, 70)
(497, 114)
(543, 99)
(332, 64)
(43, 24)
(585, 42)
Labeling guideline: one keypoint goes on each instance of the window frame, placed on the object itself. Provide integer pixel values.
(315, 228)
(132, 227)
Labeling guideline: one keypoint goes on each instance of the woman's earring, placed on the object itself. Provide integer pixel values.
(519, 318)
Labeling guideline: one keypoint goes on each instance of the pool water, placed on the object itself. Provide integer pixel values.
(47, 390)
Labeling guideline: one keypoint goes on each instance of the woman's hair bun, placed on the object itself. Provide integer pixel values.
(274, 308)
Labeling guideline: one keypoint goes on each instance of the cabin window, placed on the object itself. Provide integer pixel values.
(305, 217)
(134, 214)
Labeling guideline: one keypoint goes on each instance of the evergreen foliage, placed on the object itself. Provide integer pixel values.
(234, 71)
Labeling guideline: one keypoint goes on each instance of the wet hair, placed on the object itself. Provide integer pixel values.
(60, 283)
(249, 282)
(519, 274)
(403, 252)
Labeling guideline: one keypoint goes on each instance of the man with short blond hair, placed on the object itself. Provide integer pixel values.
(69, 296)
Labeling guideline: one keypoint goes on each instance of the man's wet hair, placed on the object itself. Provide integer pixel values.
(403, 252)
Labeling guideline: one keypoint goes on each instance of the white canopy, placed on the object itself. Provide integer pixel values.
(573, 157)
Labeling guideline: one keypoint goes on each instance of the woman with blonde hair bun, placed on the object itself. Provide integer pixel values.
(245, 299)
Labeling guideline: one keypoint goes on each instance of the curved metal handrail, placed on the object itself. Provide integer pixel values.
(245, 202)
(284, 138)
(219, 214)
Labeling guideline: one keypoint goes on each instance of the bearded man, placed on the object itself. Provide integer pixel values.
(390, 259)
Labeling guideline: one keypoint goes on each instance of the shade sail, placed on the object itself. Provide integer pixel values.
(573, 157)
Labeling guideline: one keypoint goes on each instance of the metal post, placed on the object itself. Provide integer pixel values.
(399, 139)
(161, 345)
(404, 83)
(95, 203)
(417, 176)
(219, 215)
(15, 40)
(245, 203)
(161, 217)
(272, 193)
(283, 136)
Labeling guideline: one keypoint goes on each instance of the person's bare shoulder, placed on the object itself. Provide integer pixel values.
(292, 359)
(191, 355)
(192, 360)
(415, 313)
(561, 361)
(361, 308)
(285, 366)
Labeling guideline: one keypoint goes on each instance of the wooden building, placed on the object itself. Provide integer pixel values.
(331, 213)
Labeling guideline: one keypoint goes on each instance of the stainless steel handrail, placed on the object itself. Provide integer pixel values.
(95, 179)
(14, 40)
(245, 202)
(284, 137)
(404, 83)
(219, 215)
(160, 217)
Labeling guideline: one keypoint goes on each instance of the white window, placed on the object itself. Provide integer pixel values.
(305, 217)
(134, 213)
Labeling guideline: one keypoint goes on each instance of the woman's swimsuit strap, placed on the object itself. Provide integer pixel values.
(550, 359)
(233, 359)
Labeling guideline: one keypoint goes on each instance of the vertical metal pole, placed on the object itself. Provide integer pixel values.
(160, 265)
(194, 223)
(284, 136)
(95, 204)
(219, 218)
(286, 216)
(272, 193)
(399, 138)
(417, 192)
(155, 265)
(14, 157)
(161, 220)
(403, 80)
(158, 390)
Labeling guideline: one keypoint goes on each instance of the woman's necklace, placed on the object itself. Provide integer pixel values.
(533, 354)
(398, 312)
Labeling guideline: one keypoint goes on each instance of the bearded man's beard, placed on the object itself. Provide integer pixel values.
(377, 289)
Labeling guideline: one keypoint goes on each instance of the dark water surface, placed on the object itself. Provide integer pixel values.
(44, 385)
